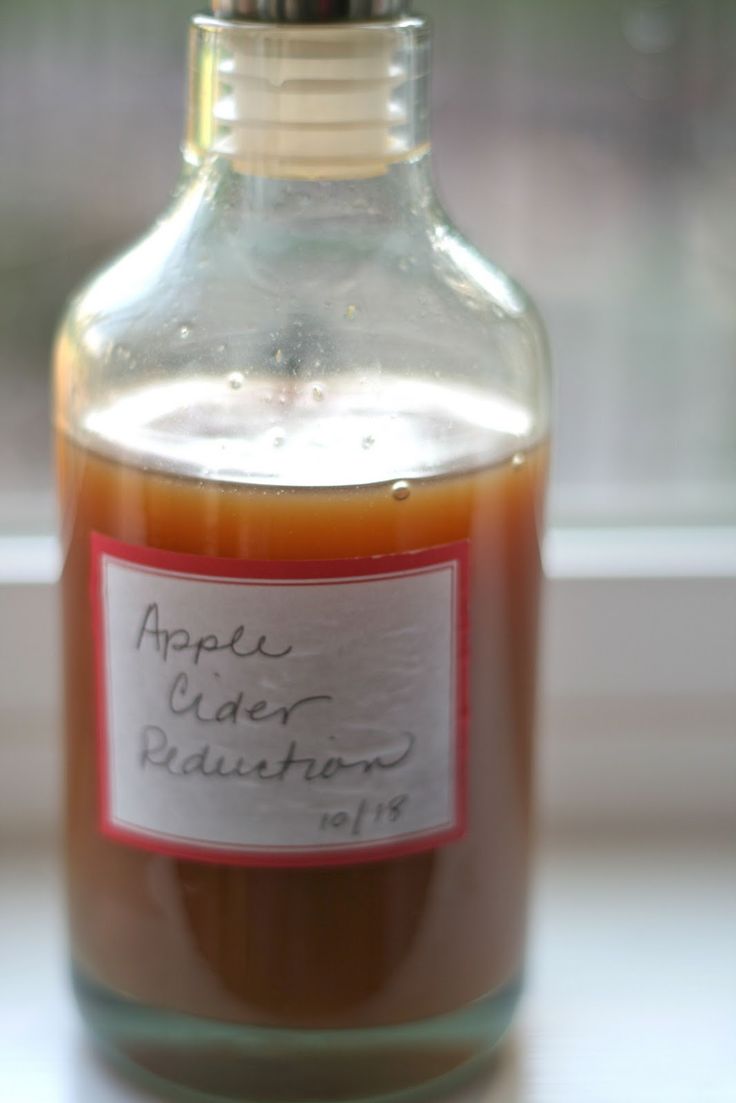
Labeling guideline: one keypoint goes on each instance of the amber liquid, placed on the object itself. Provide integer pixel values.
(372, 944)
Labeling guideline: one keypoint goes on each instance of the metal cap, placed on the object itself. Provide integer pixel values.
(310, 11)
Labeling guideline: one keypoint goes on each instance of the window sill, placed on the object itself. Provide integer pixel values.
(623, 952)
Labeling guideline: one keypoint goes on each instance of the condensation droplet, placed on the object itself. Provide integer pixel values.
(318, 392)
(368, 441)
(350, 311)
(185, 330)
(122, 352)
(221, 350)
(235, 380)
(278, 440)
(517, 460)
(279, 356)
(401, 490)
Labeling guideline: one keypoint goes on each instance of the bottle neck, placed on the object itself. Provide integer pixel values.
(216, 193)
(308, 102)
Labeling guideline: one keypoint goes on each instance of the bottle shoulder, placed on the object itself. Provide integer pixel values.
(307, 338)
(204, 266)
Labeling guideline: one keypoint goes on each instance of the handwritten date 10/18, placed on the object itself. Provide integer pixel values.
(368, 814)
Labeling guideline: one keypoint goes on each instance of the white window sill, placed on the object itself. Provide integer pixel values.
(569, 553)
(631, 994)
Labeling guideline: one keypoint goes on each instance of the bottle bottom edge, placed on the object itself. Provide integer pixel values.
(197, 1060)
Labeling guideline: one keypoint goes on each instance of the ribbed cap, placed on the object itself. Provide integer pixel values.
(329, 101)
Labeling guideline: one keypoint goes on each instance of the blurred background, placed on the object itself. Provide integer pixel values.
(588, 147)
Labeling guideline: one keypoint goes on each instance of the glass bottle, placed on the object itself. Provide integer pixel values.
(302, 448)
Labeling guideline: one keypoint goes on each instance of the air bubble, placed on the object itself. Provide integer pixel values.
(221, 349)
(318, 392)
(278, 440)
(517, 460)
(279, 356)
(185, 330)
(350, 311)
(235, 380)
(401, 490)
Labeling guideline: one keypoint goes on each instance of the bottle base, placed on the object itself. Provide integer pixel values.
(199, 1060)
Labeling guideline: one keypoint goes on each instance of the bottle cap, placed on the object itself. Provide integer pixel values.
(310, 11)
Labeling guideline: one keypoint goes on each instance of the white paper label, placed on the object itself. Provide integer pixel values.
(281, 713)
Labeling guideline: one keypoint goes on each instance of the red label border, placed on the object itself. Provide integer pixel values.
(274, 572)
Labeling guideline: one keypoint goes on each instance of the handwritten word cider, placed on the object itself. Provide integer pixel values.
(302, 445)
